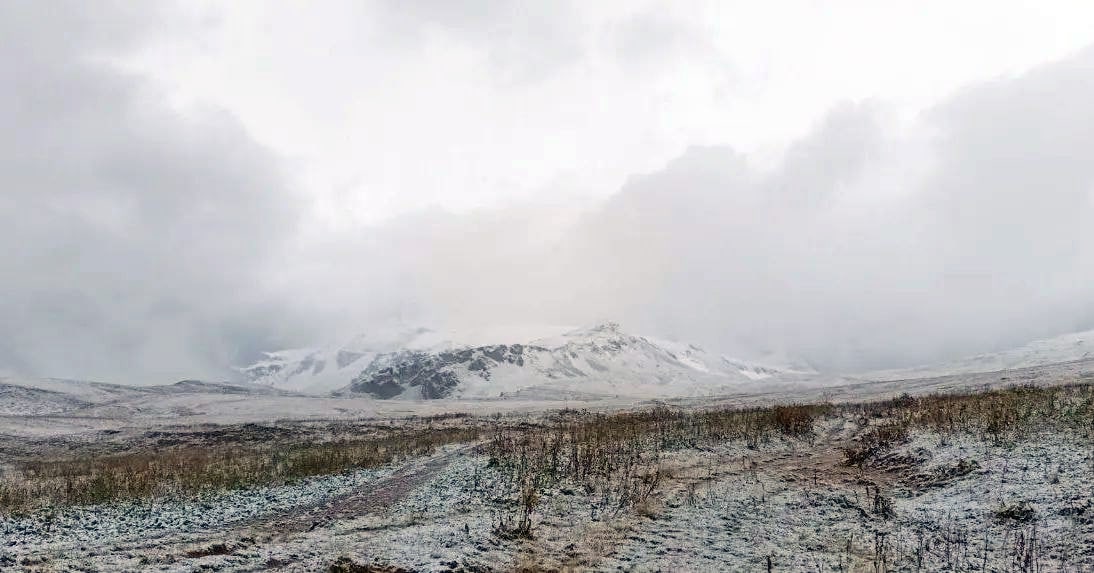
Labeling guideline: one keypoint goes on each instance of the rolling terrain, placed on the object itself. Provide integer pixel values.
(539, 466)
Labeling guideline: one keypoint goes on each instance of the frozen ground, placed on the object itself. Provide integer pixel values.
(934, 503)
(73, 410)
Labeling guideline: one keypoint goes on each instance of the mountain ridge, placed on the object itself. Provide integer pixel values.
(422, 363)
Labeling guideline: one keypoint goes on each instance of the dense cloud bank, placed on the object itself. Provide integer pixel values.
(134, 238)
(143, 244)
(870, 244)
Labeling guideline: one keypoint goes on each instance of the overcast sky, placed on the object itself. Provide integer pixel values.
(856, 184)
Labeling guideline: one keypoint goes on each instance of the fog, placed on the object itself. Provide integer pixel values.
(146, 245)
(868, 245)
(134, 239)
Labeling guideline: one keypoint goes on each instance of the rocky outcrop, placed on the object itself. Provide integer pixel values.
(432, 375)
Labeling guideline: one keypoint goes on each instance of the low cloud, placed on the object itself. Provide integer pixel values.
(870, 244)
(145, 244)
(136, 238)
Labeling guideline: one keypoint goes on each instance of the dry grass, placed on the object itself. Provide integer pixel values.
(618, 456)
(189, 470)
(995, 415)
(875, 441)
(614, 456)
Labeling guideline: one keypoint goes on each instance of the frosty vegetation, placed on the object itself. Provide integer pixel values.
(996, 480)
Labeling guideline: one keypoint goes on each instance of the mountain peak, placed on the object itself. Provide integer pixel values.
(601, 359)
(505, 361)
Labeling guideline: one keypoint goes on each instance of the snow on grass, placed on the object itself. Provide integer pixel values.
(954, 501)
(90, 531)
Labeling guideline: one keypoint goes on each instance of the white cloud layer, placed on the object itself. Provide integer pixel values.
(866, 245)
(184, 187)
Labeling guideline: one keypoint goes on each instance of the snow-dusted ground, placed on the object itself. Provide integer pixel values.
(87, 534)
(726, 507)
(744, 517)
(40, 408)
(957, 503)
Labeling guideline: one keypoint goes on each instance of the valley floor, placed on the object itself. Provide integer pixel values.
(854, 491)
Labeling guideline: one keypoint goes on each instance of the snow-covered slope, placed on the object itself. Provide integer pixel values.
(22, 396)
(602, 360)
(1064, 348)
(323, 369)
(328, 368)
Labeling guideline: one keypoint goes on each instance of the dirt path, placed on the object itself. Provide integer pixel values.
(240, 538)
(375, 497)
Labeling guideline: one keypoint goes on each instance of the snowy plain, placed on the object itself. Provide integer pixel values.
(727, 506)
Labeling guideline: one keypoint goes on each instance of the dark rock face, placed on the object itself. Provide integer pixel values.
(435, 375)
(415, 370)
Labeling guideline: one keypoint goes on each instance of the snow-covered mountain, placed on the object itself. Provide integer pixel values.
(1063, 348)
(427, 363)
(603, 360)
(327, 368)
(549, 362)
